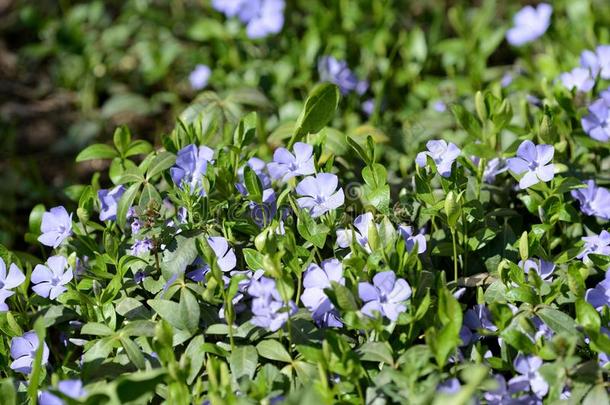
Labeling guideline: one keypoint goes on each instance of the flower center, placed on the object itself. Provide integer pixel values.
(320, 199)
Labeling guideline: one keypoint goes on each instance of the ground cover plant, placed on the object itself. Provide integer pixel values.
(302, 256)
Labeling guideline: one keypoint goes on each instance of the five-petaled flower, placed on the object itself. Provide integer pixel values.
(320, 194)
(109, 200)
(533, 163)
(262, 17)
(199, 77)
(443, 155)
(225, 259)
(597, 123)
(268, 309)
(595, 244)
(13, 279)
(50, 280)
(597, 62)
(593, 200)
(360, 234)
(412, 239)
(387, 295)
(191, 166)
(599, 296)
(286, 165)
(23, 352)
(543, 268)
(56, 227)
(316, 279)
(530, 24)
(578, 78)
(337, 72)
(531, 379)
(70, 388)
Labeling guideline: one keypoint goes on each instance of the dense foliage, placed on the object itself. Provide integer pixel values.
(303, 254)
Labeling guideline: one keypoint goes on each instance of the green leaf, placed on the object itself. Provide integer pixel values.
(376, 351)
(243, 361)
(597, 396)
(8, 391)
(125, 203)
(343, 296)
(178, 255)
(37, 366)
(558, 321)
(253, 185)
(273, 350)
(170, 311)
(133, 352)
(254, 259)
(311, 231)
(122, 139)
(97, 151)
(138, 147)
(319, 109)
(96, 329)
(189, 310)
(161, 162)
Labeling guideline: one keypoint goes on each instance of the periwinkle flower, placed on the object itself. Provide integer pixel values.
(268, 309)
(13, 279)
(109, 200)
(225, 259)
(542, 329)
(529, 24)
(412, 239)
(442, 154)
(368, 107)
(320, 194)
(338, 72)
(49, 280)
(387, 295)
(141, 246)
(139, 276)
(506, 80)
(263, 17)
(598, 62)
(191, 166)
(493, 167)
(286, 165)
(451, 387)
(478, 318)
(504, 394)
(532, 163)
(544, 268)
(597, 123)
(596, 244)
(70, 388)
(230, 8)
(578, 78)
(199, 76)
(439, 106)
(315, 280)
(23, 352)
(259, 167)
(527, 366)
(56, 227)
(594, 200)
(599, 296)
(362, 223)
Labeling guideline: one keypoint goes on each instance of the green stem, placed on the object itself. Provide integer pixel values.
(455, 259)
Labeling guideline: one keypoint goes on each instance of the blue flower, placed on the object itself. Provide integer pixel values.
(530, 378)
(387, 295)
(70, 388)
(268, 309)
(337, 72)
(225, 259)
(285, 165)
(594, 200)
(529, 24)
(141, 246)
(411, 239)
(56, 227)
(597, 123)
(9, 281)
(262, 17)
(109, 200)
(598, 62)
(23, 352)
(191, 166)
(596, 244)
(315, 280)
(450, 387)
(599, 296)
(320, 194)
(442, 154)
(532, 163)
(578, 78)
(544, 268)
(230, 8)
(50, 280)
(263, 213)
(199, 77)
(362, 223)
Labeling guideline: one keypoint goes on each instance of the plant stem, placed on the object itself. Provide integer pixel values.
(455, 263)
